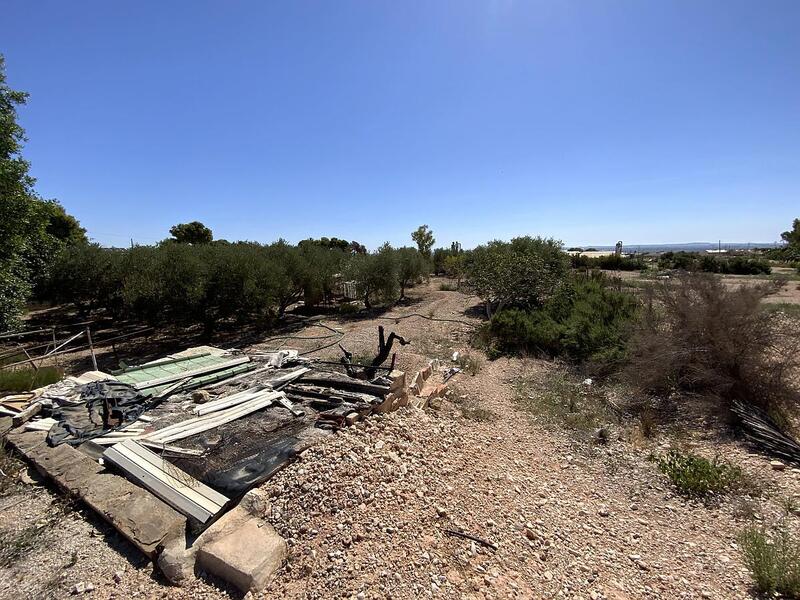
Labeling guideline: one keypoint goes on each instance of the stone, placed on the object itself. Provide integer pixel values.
(246, 557)
(200, 396)
(777, 465)
(175, 562)
(78, 588)
(118, 576)
(426, 372)
(398, 379)
(416, 384)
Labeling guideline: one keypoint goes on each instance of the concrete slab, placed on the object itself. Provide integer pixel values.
(143, 519)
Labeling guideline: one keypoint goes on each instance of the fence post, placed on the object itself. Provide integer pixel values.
(91, 348)
(55, 352)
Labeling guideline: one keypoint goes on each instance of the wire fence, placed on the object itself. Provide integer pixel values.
(13, 353)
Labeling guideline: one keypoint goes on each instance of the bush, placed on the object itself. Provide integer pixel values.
(735, 265)
(587, 320)
(700, 337)
(773, 558)
(697, 477)
(610, 262)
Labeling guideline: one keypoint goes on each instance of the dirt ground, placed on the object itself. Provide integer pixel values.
(366, 512)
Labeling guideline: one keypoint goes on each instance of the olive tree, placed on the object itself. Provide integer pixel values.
(524, 272)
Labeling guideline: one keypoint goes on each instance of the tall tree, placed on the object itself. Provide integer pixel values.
(31, 230)
(792, 237)
(424, 239)
(191, 233)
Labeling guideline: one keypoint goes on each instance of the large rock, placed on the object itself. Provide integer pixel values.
(247, 555)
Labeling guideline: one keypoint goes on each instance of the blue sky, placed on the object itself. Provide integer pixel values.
(590, 120)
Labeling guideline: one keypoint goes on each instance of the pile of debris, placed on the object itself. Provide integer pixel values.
(171, 452)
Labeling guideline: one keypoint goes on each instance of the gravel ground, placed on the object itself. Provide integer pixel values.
(366, 513)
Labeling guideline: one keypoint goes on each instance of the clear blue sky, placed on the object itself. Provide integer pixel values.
(588, 120)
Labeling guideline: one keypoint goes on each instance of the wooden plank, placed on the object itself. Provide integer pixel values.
(199, 371)
(40, 425)
(229, 401)
(181, 491)
(344, 382)
(201, 424)
(282, 380)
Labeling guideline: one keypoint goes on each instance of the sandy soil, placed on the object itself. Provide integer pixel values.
(365, 513)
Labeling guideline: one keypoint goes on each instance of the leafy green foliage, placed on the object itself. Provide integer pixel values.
(698, 477)
(31, 230)
(410, 267)
(26, 379)
(191, 233)
(611, 262)
(375, 275)
(523, 273)
(588, 319)
(792, 237)
(773, 557)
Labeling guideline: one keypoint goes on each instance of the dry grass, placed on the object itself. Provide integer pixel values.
(558, 399)
(773, 557)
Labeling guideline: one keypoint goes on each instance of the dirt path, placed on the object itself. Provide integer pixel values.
(366, 512)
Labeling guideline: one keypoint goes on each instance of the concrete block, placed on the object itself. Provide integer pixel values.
(426, 372)
(416, 384)
(398, 380)
(247, 557)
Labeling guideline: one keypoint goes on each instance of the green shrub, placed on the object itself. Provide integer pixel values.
(707, 263)
(610, 262)
(586, 320)
(773, 558)
(697, 477)
(348, 308)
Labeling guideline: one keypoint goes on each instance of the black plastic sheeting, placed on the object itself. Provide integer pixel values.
(104, 406)
(246, 453)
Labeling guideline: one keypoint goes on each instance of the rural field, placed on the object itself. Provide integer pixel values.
(365, 511)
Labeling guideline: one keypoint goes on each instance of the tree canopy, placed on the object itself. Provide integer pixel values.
(191, 233)
(423, 237)
(792, 237)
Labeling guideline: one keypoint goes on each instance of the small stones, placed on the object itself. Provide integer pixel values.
(777, 465)
(78, 588)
